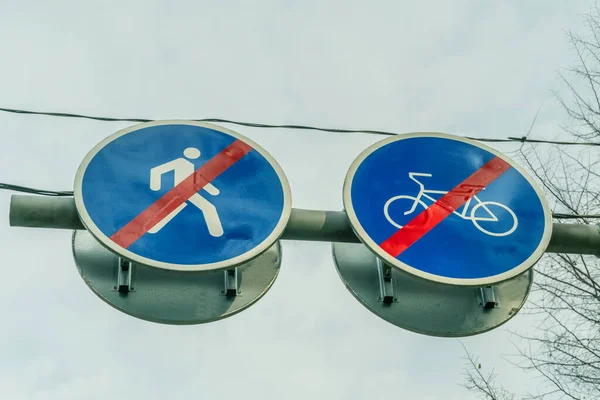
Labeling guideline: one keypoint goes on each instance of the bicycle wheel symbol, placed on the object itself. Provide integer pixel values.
(476, 220)
(408, 206)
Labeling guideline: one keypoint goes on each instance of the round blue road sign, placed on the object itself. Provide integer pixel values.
(182, 195)
(447, 209)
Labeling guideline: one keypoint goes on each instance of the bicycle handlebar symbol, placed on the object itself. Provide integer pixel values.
(425, 194)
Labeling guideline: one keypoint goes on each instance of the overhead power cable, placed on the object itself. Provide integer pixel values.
(523, 139)
(574, 216)
(25, 189)
(65, 193)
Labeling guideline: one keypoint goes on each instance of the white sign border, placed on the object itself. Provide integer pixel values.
(129, 255)
(374, 247)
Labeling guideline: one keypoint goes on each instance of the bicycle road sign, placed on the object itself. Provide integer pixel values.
(447, 209)
(182, 195)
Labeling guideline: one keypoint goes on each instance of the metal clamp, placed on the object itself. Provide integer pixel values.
(386, 286)
(487, 297)
(124, 270)
(231, 282)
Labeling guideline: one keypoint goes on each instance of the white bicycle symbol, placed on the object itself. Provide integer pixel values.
(424, 193)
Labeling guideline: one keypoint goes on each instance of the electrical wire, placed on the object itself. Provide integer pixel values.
(41, 192)
(523, 139)
(574, 216)
(25, 189)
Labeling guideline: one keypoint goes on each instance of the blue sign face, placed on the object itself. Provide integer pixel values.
(182, 195)
(447, 209)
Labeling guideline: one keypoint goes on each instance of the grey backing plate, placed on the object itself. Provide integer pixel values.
(173, 297)
(427, 307)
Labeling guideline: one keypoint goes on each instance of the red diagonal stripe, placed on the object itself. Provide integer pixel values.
(427, 219)
(175, 197)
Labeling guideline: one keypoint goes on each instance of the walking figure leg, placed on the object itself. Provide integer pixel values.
(213, 222)
(166, 219)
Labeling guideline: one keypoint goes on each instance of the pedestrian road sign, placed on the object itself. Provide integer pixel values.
(447, 209)
(182, 195)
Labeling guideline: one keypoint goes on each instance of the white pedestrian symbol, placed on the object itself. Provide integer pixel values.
(183, 168)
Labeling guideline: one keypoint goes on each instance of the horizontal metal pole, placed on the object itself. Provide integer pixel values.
(43, 212)
(575, 239)
(61, 213)
(320, 226)
(313, 225)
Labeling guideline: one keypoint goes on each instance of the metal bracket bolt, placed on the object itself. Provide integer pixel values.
(124, 271)
(386, 286)
(231, 283)
(487, 297)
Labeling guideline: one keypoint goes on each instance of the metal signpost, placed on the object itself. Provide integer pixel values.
(442, 211)
(179, 222)
(189, 216)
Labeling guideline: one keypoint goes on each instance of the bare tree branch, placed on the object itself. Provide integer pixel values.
(565, 347)
(480, 383)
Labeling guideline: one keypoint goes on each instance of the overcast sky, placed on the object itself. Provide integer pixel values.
(471, 68)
